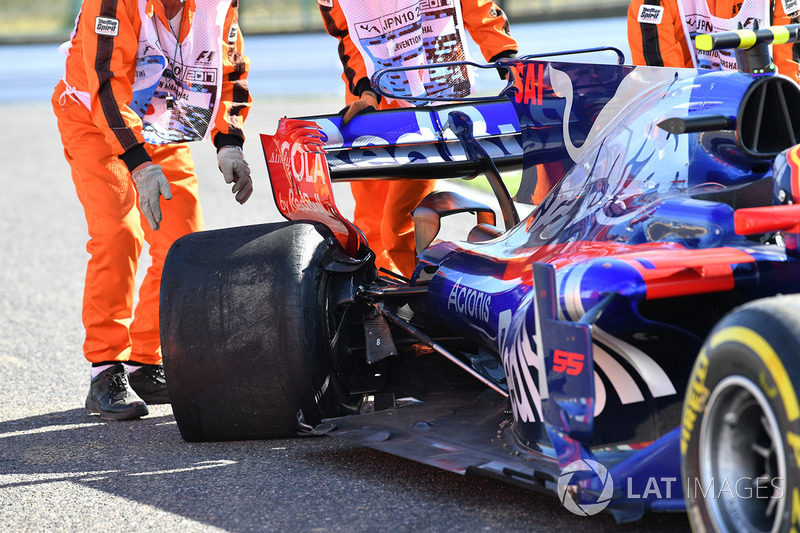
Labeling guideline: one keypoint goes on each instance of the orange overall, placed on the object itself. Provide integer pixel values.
(663, 44)
(382, 208)
(104, 144)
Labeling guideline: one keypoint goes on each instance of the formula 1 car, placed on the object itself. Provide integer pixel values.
(633, 344)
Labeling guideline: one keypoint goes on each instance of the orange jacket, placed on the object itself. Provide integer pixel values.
(664, 44)
(104, 66)
(486, 22)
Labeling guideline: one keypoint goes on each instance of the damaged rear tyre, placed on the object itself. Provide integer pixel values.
(243, 332)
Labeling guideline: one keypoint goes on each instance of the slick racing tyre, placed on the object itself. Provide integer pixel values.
(740, 440)
(243, 332)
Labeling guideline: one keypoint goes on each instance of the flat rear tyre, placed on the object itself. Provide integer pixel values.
(244, 333)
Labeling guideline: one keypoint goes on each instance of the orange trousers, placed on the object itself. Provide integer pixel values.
(383, 213)
(117, 231)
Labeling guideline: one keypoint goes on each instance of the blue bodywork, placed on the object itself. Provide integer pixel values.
(593, 307)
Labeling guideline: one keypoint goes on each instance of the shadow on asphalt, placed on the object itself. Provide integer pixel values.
(146, 461)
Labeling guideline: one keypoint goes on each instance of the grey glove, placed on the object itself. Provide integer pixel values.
(151, 183)
(367, 102)
(235, 170)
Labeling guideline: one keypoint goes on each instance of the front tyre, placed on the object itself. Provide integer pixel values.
(740, 441)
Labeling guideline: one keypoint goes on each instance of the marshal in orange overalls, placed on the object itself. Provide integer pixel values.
(659, 40)
(103, 141)
(382, 208)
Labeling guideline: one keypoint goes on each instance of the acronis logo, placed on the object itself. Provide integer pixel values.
(469, 302)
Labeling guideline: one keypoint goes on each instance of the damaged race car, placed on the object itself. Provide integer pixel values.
(631, 345)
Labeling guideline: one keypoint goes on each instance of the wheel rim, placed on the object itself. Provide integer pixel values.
(742, 460)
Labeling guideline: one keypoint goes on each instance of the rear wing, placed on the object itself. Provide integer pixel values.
(415, 143)
(550, 112)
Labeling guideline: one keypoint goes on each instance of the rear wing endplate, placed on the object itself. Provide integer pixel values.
(301, 183)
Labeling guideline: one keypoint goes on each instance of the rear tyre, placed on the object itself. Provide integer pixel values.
(244, 333)
(740, 442)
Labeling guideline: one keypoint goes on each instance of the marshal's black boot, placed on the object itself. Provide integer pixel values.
(111, 396)
(150, 384)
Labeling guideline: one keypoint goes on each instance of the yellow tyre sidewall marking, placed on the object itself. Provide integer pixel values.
(760, 347)
(694, 403)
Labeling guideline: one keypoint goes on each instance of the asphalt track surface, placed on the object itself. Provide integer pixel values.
(62, 469)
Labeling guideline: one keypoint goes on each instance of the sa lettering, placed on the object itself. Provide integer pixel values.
(528, 83)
